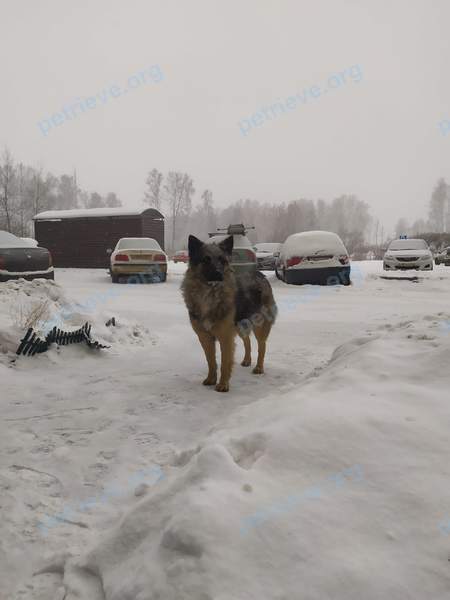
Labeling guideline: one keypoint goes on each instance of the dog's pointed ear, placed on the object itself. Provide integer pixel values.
(195, 249)
(227, 245)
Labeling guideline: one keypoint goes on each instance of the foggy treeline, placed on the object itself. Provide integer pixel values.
(172, 195)
(346, 215)
(438, 220)
(26, 191)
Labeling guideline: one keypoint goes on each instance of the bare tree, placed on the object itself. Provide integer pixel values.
(178, 191)
(112, 201)
(38, 190)
(66, 196)
(7, 184)
(208, 211)
(152, 195)
(95, 201)
(439, 206)
(21, 209)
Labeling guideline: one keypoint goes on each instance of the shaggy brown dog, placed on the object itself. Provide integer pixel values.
(222, 304)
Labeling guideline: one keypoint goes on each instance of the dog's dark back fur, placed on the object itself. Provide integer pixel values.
(254, 293)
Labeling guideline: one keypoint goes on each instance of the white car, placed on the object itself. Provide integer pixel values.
(406, 254)
(138, 259)
(314, 257)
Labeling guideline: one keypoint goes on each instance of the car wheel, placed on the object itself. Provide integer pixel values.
(114, 278)
(277, 275)
(163, 277)
(345, 278)
(332, 280)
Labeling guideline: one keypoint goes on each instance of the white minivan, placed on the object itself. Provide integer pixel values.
(314, 257)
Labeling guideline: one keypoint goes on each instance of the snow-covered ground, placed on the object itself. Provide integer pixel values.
(123, 478)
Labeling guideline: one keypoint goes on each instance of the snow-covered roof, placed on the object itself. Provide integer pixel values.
(30, 242)
(310, 242)
(82, 213)
(239, 241)
(8, 240)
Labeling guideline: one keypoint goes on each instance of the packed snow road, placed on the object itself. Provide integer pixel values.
(92, 437)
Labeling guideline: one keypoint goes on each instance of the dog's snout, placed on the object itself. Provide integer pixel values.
(217, 275)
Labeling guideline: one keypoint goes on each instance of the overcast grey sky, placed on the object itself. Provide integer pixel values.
(224, 61)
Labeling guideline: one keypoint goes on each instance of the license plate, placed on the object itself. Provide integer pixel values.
(141, 256)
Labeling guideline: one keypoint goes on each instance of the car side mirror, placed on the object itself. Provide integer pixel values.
(276, 255)
(109, 251)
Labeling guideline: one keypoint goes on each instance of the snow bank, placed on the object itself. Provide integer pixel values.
(26, 304)
(333, 490)
(42, 304)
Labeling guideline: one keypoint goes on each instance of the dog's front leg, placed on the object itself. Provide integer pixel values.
(208, 343)
(226, 342)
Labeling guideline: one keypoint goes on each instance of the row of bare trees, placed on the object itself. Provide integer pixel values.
(173, 196)
(173, 192)
(438, 214)
(26, 191)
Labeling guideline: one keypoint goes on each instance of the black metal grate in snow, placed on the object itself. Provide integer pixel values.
(32, 344)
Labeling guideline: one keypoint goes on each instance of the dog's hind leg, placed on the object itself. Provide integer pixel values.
(227, 350)
(261, 334)
(248, 351)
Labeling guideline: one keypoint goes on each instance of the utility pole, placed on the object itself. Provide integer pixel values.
(75, 189)
(20, 197)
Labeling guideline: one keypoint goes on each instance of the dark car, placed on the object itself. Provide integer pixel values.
(243, 257)
(265, 255)
(443, 257)
(18, 258)
(315, 258)
(181, 256)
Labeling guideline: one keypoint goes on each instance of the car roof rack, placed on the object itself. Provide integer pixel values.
(237, 229)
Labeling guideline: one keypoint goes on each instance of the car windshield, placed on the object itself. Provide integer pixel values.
(408, 245)
(138, 244)
(239, 241)
(267, 248)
